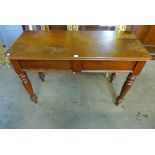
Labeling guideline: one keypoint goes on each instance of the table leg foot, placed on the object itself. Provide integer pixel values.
(112, 77)
(34, 98)
(118, 100)
(42, 76)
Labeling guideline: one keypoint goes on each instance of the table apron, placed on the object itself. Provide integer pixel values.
(77, 65)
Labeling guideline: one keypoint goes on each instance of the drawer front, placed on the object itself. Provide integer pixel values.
(46, 65)
(108, 65)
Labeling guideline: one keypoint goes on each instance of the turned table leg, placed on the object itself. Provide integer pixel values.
(27, 84)
(42, 76)
(25, 81)
(112, 77)
(128, 83)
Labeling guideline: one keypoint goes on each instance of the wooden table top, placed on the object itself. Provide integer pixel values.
(88, 45)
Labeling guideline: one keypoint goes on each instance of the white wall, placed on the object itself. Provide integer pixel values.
(9, 33)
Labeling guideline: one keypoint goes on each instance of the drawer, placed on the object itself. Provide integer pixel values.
(107, 65)
(46, 64)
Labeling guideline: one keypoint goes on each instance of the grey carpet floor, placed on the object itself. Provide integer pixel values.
(80, 101)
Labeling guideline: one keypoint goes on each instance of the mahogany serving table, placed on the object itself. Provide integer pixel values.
(82, 51)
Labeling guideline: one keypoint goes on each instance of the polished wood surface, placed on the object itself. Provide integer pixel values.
(151, 49)
(63, 45)
(82, 51)
(146, 34)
